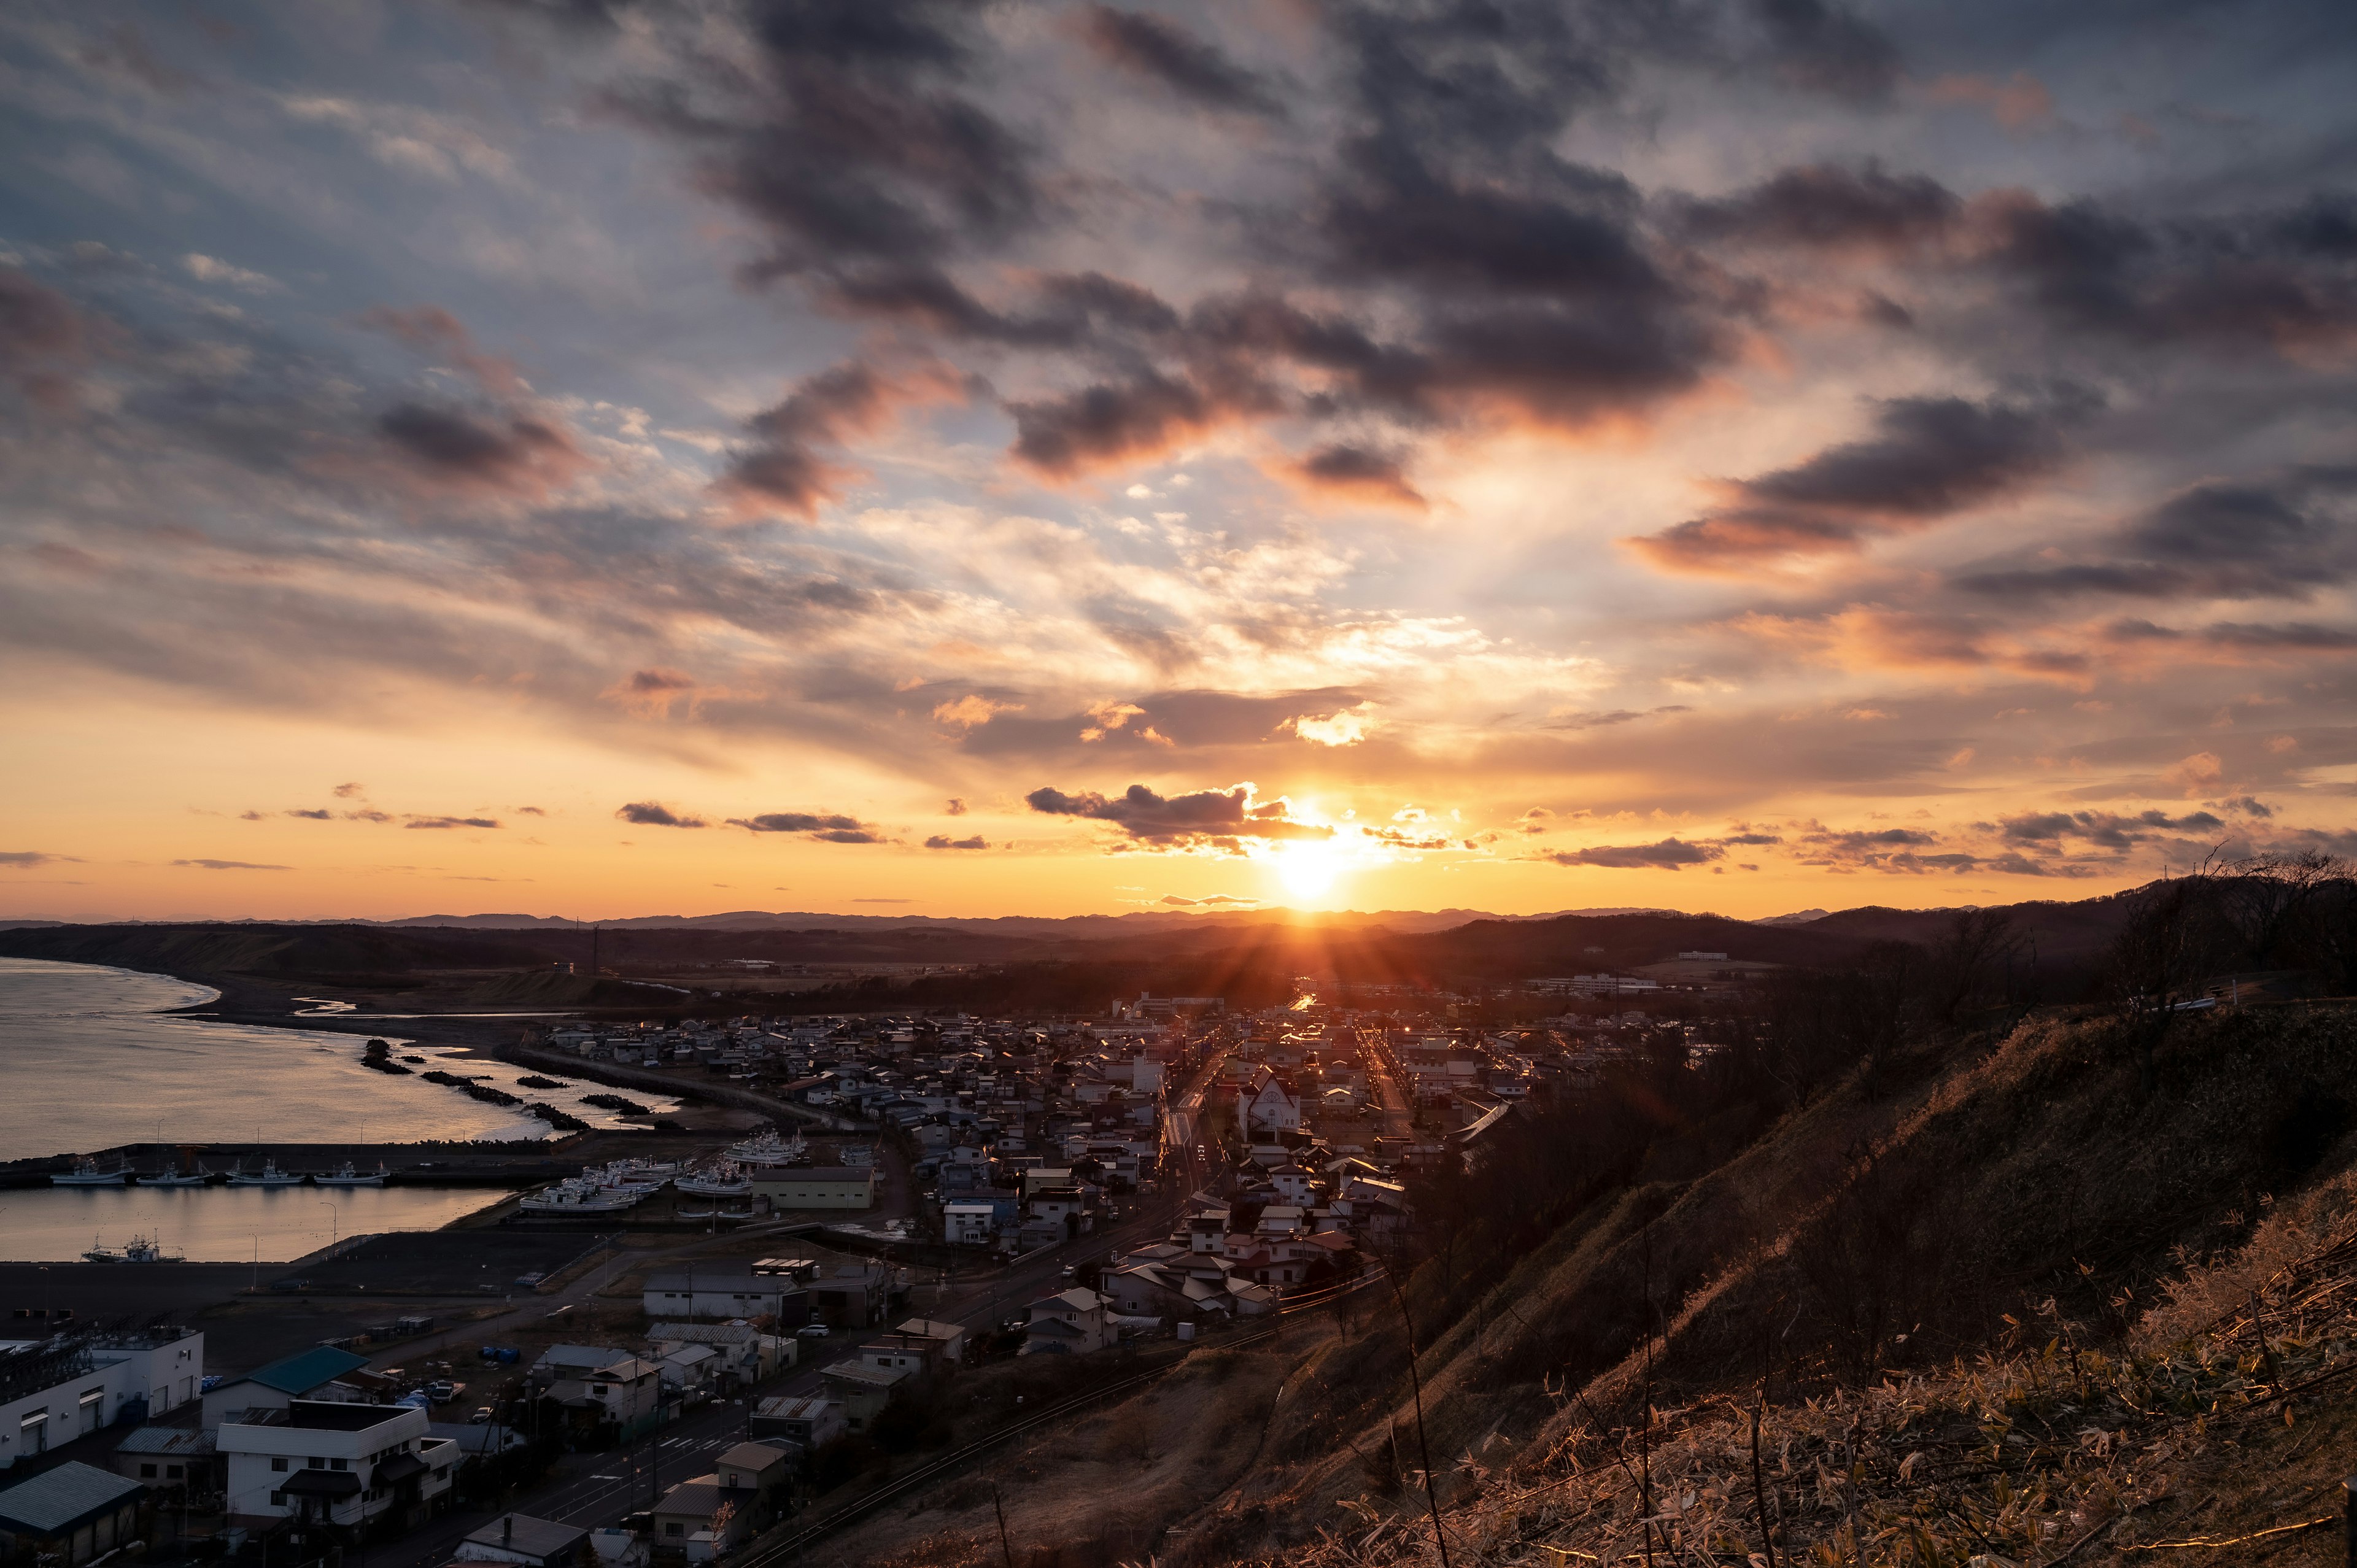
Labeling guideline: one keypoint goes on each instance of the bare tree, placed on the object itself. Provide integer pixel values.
(2164, 952)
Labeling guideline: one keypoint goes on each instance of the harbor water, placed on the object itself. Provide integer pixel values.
(89, 1062)
(217, 1224)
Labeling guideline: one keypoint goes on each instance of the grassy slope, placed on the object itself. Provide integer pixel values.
(2038, 1170)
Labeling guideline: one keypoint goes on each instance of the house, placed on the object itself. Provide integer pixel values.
(945, 1342)
(759, 1470)
(335, 1463)
(820, 1186)
(534, 1543)
(608, 1395)
(865, 1390)
(53, 1391)
(702, 1519)
(1070, 1324)
(310, 1374)
(169, 1459)
(70, 1514)
(1206, 1230)
(969, 1224)
(855, 1296)
(747, 1354)
(725, 1293)
(1144, 1290)
(807, 1420)
(1293, 1183)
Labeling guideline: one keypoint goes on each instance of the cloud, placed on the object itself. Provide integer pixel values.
(457, 448)
(654, 814)
(346, 791)
(42, 340)
(943, 841)
(973, 709)
(1669, 855)
(319, 815)
(24, 859)
(1360, 473)
(956, 807)
(416, 822)
(229, 865)
(1214, 819)
(1348, 727)
(1154, 48)
(797, 823)
(1930, 458)
(1826, 47)
(209, 269)
(1826, 206)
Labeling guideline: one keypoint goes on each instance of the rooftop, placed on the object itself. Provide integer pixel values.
(324, 1415)
(533, 1537)
(60, 1500)
(308, 1369)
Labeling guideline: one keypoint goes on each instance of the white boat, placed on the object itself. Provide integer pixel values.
(770, 1149)
(571, 1198)
(725, 1180)
(347, 1176)
(177, 1177)
(98, 1254)
(87, 1174)
(724, 1214)
(269, 1175)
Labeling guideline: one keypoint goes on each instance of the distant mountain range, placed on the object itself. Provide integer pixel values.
(1138, 922)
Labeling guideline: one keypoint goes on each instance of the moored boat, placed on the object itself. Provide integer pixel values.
(146, 1249)
(348, 1175)
(176, 1177)
(87, 1174)
(269, 1175)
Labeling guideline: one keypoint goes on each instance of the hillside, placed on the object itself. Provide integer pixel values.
(1994, 1289)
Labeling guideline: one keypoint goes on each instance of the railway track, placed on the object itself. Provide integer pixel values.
(785, 1548)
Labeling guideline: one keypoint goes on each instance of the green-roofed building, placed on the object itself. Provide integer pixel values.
(308, 1375)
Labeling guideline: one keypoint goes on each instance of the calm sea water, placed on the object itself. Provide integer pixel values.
(217, 1224)
(87, 1064)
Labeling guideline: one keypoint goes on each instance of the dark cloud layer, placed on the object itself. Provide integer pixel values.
(655, 814)
(1929, 458)
(1217, 818)
(1158, 49)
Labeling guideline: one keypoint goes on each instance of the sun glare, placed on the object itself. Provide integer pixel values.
(1309, 867)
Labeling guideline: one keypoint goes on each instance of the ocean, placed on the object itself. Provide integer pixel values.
(89, 1064)
(217, 1224)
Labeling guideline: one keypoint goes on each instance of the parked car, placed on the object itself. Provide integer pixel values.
(483, 1416)
(442, 1390)
(811, 1331)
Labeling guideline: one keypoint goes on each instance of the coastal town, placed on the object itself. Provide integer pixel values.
(915, 1223)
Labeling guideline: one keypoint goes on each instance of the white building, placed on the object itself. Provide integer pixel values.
(725, 1293)
(338, 1464)
(1070, 1324)
(53, 1391)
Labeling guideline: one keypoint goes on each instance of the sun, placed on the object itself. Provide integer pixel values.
(1309, 867)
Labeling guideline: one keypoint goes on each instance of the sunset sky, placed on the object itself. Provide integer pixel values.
(601, 458)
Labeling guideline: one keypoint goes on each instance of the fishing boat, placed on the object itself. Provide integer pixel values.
(725, 1180)
(346, 1175)
(176, 1177)
(146, 1249)
(98, 1254)
(574, 1197)
(269, 1175)
(87, 1174)
(726, 1214)
(699, 1214)
(770, 1149)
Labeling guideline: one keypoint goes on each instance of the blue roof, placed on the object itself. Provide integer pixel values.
(299, 1374)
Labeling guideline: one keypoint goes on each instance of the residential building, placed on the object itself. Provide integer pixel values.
(1073, 1322)
(855, 1296)
(169, 1459)
(335, 1463)
(748, 1355)
(807, 1420)
(70, 1514)
(534, 1543)
(608, 1395)
(863, 1389)
(701, 1519)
